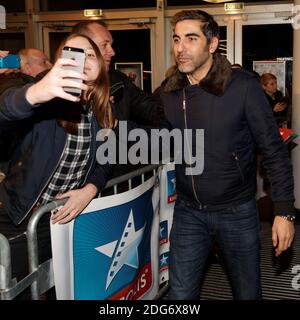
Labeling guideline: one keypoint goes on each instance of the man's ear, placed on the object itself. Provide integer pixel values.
(25, 67)
(213, 45)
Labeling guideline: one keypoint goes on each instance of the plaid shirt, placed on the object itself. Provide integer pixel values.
(73, 165)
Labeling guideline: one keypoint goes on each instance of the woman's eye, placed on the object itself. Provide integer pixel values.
(91, 55)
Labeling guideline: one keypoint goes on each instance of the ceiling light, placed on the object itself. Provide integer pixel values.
(93, 13)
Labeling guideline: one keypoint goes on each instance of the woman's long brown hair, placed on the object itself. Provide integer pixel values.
(98, 92)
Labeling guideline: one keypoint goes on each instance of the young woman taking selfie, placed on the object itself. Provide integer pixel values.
(55, 155)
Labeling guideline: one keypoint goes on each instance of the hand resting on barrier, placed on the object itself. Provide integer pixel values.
(78, 200)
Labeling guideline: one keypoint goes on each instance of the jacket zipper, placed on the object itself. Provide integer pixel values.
(188, 146)
(92, 146)
(237, 160)
(115, 87)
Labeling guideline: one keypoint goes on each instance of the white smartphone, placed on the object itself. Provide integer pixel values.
(78, 55)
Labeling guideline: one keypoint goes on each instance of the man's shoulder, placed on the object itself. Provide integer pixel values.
(116, 76)
(242, 77)
(242, 73)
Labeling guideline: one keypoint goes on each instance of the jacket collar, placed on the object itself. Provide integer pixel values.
(215, 81)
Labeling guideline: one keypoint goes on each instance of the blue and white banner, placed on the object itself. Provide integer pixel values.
(110, 251)
(167, 201)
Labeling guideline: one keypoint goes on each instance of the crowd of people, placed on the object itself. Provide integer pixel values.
(49, 138)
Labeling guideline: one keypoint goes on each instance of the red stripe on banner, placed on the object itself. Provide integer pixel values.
(172, 198)
(138, 287)
(163, 240)
(165, 267)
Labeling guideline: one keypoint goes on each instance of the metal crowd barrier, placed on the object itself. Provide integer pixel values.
(40, 277)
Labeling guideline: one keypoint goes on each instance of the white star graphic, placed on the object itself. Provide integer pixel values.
(163, 260)
(126, 252)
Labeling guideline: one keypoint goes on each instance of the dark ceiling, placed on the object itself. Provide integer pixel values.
(65, 5)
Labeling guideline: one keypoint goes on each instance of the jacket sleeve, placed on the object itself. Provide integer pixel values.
(276, 159)
(100, 175)
(14, 106)
(143, 107)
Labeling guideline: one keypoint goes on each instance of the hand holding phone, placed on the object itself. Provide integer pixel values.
(77, 55)
(56, 83)
(283, 99)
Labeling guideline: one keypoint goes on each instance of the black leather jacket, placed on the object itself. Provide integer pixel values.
(130, 102)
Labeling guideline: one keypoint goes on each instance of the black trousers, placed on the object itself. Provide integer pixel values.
(16, 236)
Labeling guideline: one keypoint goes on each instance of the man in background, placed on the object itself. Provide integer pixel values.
(131, 102)
(33, 61)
